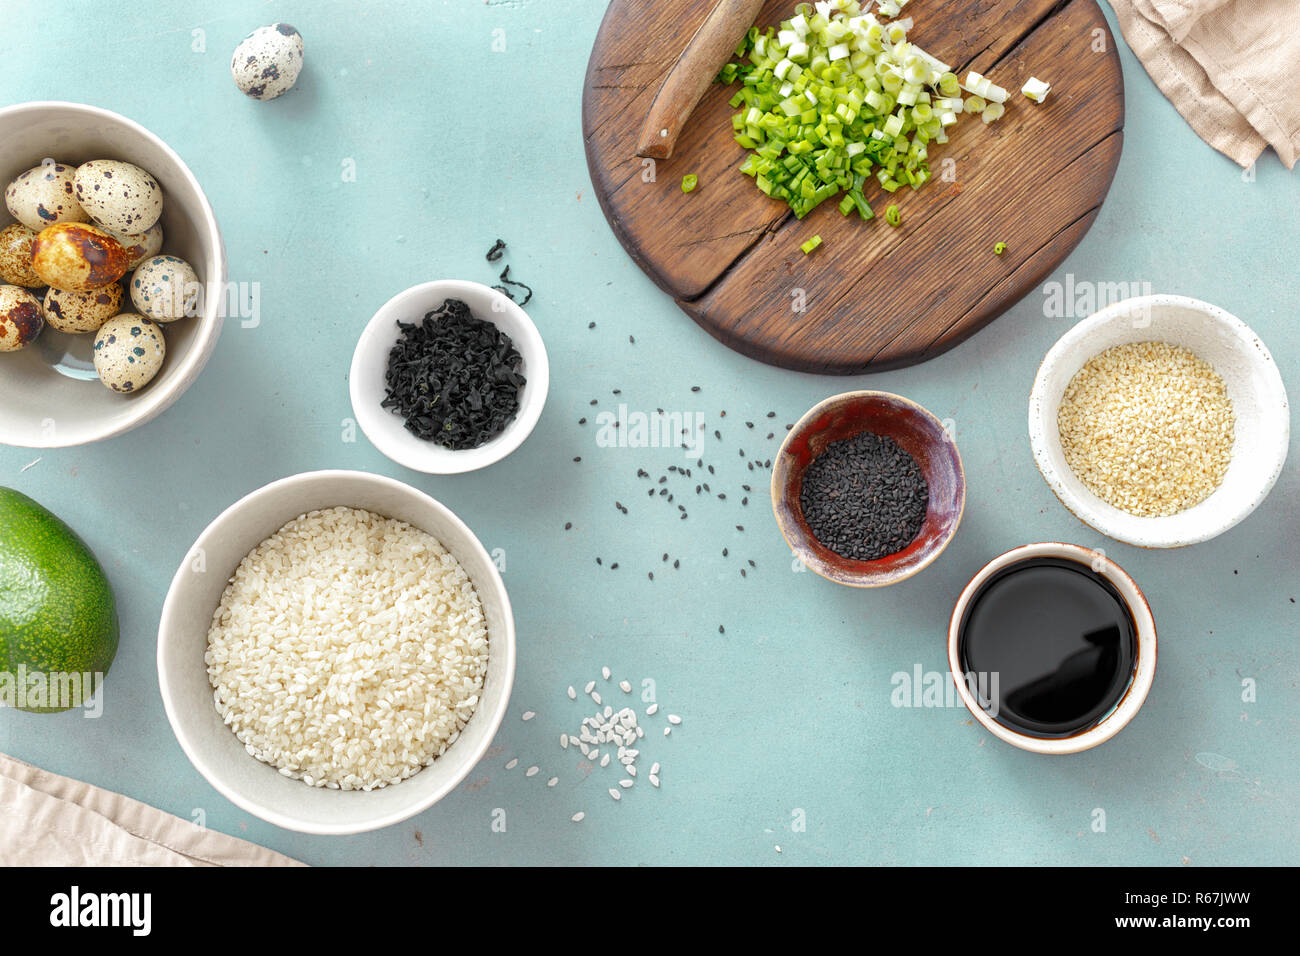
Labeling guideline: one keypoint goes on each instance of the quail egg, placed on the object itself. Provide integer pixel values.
(118, 196)
(77, 257)
(268, 61)
(16, 256)
(20, 318)
(129, 351)
(165, 289)
(141, 247)
(43, 196)
(81, 312)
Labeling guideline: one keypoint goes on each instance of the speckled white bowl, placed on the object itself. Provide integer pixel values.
(183, 639)
(366, 380)
(43, 408)
(1263, 415)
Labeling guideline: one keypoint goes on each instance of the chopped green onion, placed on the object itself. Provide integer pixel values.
(1036, 89)
(1000, 248)
(892, 216)
(811, 244)
(689, 182)
(832, 97)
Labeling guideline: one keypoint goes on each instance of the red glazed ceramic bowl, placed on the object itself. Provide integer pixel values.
(918, 433)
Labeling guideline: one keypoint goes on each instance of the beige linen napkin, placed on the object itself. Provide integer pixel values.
(48, 820)
(1231, 67)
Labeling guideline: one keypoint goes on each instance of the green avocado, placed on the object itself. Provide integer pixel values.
(58, 617)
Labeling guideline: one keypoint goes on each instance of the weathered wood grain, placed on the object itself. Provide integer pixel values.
(873, 297)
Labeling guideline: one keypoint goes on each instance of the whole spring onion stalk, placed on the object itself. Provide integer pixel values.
(833, 97)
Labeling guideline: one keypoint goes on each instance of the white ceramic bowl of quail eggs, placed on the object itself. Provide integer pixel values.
(112, 275)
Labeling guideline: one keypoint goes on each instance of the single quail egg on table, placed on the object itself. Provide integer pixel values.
(267, 63)
(44, 195)
(165, 289)
(80, 312)
(141, 247)
(119, 197)
(77, 257)
(129, 351)
(20, 318)
(16, 256)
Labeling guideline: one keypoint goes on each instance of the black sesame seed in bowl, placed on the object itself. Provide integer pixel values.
(868, 488)
(448, 377)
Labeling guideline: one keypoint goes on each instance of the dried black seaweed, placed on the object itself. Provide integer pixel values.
(497, 251)
(454, 378)
(507, 281)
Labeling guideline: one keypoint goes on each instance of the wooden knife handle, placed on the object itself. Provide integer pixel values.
(707, 53)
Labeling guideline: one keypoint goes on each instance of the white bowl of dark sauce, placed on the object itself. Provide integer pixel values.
(1053, 648)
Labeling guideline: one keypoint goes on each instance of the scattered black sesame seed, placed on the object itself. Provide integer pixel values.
(593, 401)
(665, 555)
(591, 325)
(744, 502)
(743, 574)
(749, 424)
(724, 552)
(582, 421)
(771, 414)
(598, 561)
(652, 575)
(722, 496)
(717, 434)
(677, 564)
(632, 339)
(721, 629)
(577, 458)
(614, 566)
(752, 564)
(740, 527)
(695, 388)
(568, 526)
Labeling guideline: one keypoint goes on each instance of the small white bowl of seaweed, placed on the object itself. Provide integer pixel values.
(449, 377)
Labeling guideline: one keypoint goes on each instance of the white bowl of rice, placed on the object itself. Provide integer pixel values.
(336, 652)
(1161, 421)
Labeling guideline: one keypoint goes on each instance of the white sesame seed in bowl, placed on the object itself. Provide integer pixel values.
(1161, 421)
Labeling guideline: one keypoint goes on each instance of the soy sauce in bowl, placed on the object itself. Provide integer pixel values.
(1053, 644)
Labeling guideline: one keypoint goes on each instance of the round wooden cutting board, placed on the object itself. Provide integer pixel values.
(872, 297)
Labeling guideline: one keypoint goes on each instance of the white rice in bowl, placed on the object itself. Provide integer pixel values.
(348, 650)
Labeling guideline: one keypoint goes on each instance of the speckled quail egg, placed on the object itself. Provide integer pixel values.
(16, 256)
(118, 196)
(77, 257)
(20, 318)
(45, 195)
(165, 289)
(81, 312)
(141, 247)
(129, 351)
(268, 61)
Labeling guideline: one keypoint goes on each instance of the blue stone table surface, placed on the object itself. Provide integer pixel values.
(418, 134)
